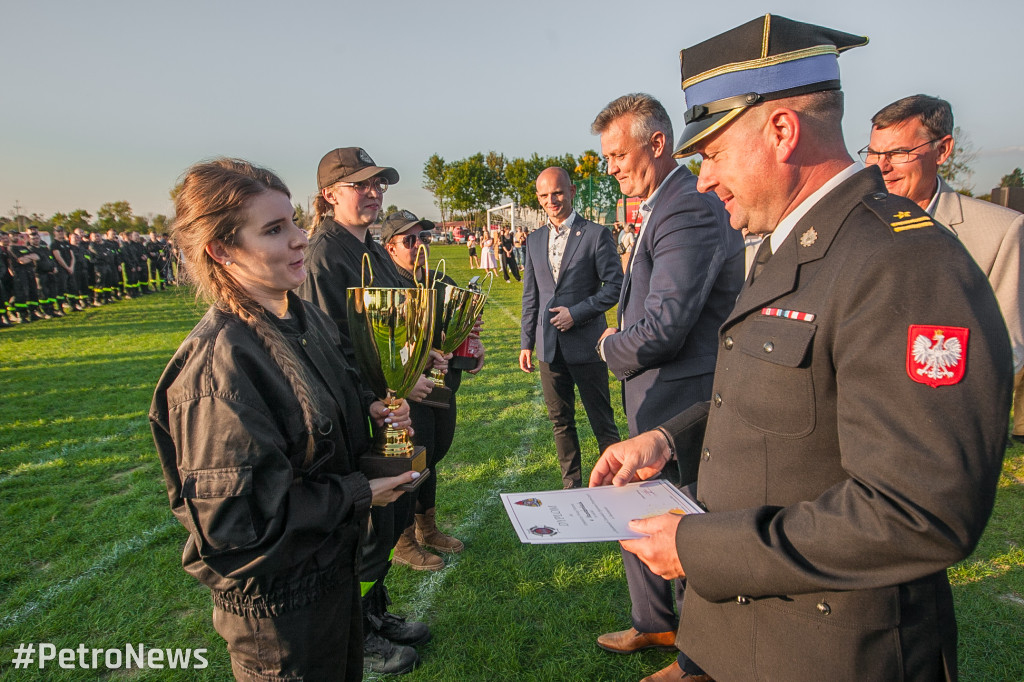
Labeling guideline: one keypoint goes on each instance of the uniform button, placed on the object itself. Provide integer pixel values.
(303, 342)
(728, 343)
(769, 347)
(823, 608)
(878, 196)
(742, 601)
(705, 454)
(717, 399)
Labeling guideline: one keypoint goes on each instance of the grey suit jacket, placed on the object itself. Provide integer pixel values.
(589, 280)
(994, 236)
(687, 269)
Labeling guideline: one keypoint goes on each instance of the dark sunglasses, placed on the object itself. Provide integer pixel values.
(409, 240)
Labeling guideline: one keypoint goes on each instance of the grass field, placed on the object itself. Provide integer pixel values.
(91, 554)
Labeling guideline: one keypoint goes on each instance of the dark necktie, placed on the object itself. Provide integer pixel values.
(763, 254)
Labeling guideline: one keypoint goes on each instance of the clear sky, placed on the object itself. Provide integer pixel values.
(113, 100)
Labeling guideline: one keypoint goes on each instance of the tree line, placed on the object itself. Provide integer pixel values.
(113, 215)
(466, 188)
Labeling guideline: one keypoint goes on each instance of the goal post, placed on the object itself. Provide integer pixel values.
(501, 216)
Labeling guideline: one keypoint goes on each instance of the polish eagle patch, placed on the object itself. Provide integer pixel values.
(936, 355)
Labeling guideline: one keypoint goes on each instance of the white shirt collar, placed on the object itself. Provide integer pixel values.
(790, 221)
(933, 204)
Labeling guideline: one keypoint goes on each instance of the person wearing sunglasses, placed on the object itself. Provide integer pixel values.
(352, 191)
(434, 427)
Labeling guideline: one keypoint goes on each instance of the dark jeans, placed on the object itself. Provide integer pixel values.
(558, 379)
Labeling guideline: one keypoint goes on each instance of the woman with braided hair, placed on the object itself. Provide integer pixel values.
(259, 423)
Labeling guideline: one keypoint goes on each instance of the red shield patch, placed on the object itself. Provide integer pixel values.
(936, 355)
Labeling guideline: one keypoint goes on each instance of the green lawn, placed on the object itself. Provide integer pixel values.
(91, 553)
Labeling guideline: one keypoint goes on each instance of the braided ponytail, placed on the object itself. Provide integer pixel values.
(210, 206)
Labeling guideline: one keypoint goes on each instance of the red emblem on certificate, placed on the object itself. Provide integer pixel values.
(936, 355)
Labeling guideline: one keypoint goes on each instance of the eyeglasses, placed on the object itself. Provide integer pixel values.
(409, 240)
(896, 156)
(378, 183)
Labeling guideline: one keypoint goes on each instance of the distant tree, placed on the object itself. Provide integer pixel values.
(79, 218)
(473, 185)
(58, 218)
(140, 224)
(520, 178)
(160, 223)
(499, 186)
(116, 215)
(957, 170)
(301, 217)
(1013, 179)
(694, 165)
(435, 181)
(392, 208)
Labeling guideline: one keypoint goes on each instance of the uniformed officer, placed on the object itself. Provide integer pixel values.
(23, 270)
(6, 282)
(858, 418)
(64, 256)
(103, 260)
(46, 275)
(79, 279)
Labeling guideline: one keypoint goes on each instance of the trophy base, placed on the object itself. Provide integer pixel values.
(462, 362)
(439, 397)
(379, 466)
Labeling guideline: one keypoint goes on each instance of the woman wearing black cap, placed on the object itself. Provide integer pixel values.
(351, 193)
(402, 235)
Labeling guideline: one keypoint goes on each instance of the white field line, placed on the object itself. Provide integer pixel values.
(28, 467)
(424, 596)
(120, 549)
(1012, 598)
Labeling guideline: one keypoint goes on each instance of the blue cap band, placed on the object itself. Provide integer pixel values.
(764, 80)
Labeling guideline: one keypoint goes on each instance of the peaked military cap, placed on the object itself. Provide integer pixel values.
(764, 59)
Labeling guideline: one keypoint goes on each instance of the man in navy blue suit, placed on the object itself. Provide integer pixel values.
(680, 284)
(572, 278)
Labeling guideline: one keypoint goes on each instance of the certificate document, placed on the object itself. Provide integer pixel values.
(592, 514)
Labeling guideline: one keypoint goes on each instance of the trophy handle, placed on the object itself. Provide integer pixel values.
(491, 284)
(426, 265)
(362, 270)
(440, 272)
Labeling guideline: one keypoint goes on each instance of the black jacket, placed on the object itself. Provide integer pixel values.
(334, 262)
(264, 534)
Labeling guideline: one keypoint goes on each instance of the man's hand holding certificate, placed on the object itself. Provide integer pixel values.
(592, 514)
(620, 505)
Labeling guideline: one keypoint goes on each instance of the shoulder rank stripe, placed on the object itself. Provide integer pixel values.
(789, 314)
(913, 224)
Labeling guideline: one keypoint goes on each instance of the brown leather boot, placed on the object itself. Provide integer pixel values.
(428, 535)
(409, 553)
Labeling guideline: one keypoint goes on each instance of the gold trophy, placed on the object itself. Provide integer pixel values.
(459, 309)
(391, 332)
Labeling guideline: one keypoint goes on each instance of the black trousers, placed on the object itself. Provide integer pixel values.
(26, 295)
(322, 640)
(558, 379)
(508, 263)
(47, 291)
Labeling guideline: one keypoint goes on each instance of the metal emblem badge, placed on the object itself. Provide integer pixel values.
(936, 355)
(808, 237)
